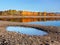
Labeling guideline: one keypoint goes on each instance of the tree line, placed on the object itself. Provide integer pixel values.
(25, 13)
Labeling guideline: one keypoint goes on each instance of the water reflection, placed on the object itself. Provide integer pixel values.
(26, 30)
(47, 23)
(32, 31)
(28, 19)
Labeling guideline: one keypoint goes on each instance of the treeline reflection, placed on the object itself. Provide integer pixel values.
(28, 19)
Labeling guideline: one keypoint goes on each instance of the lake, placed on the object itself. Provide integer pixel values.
(32, 31)
(47, 23)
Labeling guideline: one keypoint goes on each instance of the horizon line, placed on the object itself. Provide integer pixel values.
(31, 11)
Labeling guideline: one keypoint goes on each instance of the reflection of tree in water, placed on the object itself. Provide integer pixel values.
(28, 19)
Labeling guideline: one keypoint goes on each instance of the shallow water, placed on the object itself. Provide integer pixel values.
(47, 23)
(26, 30)
(32, 31)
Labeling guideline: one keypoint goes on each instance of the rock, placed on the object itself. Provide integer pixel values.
(13, 38)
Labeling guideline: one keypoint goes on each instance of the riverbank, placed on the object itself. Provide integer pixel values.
(13, 38)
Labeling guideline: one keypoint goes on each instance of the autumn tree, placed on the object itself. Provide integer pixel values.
(11, 12)
(1, 12)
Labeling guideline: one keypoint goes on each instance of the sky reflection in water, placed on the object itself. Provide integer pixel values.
(32, 31)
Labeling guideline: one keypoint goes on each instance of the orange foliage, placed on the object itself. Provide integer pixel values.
(26, 13)
(35, 13)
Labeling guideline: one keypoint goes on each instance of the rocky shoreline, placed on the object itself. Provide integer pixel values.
(14, 38)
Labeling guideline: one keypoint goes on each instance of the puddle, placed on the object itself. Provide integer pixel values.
(26, 30)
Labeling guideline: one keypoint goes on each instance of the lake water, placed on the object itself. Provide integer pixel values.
(32, 31)
(47, 23)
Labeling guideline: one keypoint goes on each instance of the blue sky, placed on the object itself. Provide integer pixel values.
(31, 5)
